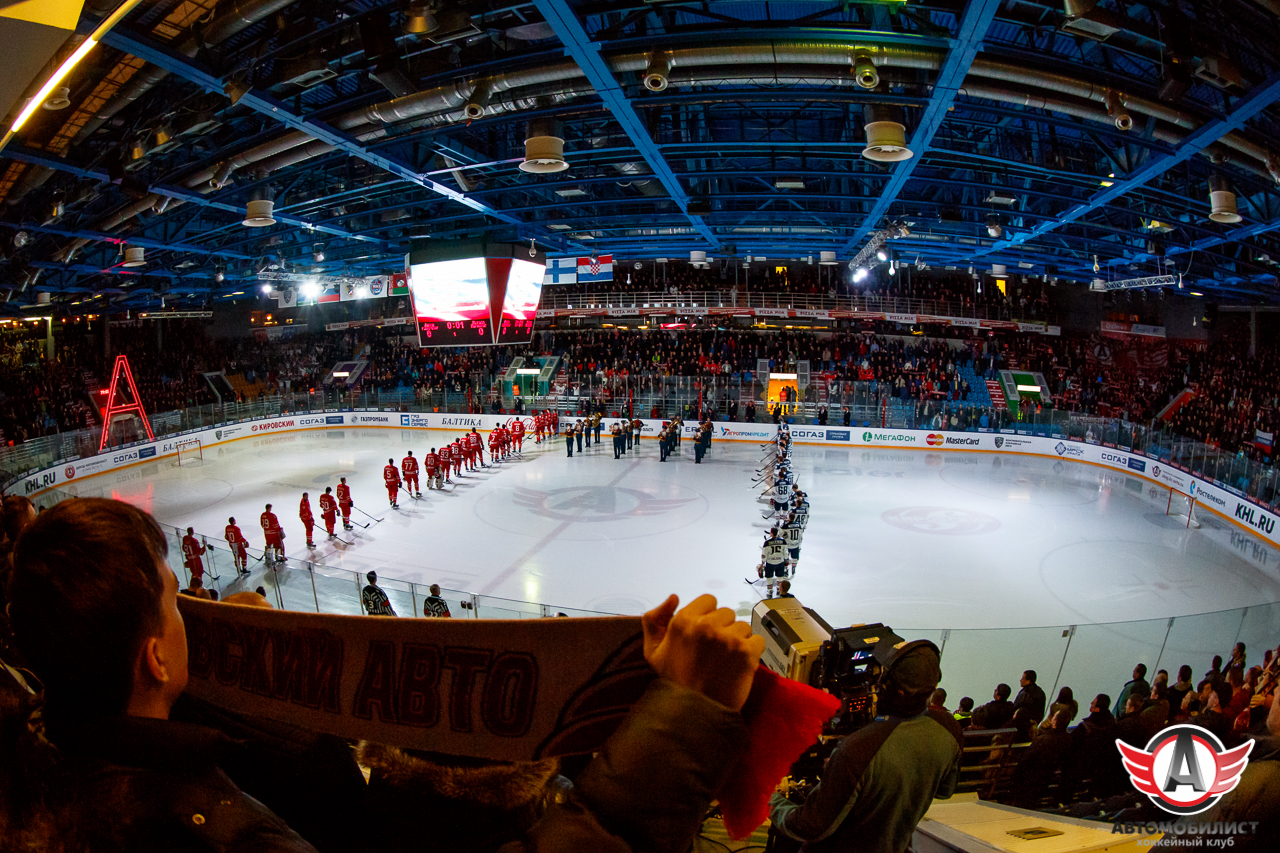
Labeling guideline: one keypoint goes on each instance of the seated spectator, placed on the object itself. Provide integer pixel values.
(1095, 760)
(129, 778)
(1214, 675)
(938, 710)
(1138, 684)
(1066, 701)
(1156, 708)
(1130, 726)
(1030, 696)
(195, 588)
(1238, 659)
(965, 712)
(1210, 715)
(999, 710)
(1180, 688)
(1041, 760)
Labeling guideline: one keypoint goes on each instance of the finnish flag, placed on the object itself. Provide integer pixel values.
(561, 271)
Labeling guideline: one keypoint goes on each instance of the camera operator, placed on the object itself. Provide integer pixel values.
(881, 778)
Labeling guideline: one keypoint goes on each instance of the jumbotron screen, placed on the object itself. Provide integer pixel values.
(475, 301)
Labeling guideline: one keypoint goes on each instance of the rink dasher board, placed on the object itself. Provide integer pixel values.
(1240, 511)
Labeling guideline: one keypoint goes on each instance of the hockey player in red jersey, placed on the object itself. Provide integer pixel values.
(345, 503)
(477, 445)
(494, 450)
(517, 434)
(191, 551)
(239, 546)
(431, 462)
(274, 534)
(308, 520)
(328, 510)
(537, 427)
(409, 467)
(391, 477)
(455, 456)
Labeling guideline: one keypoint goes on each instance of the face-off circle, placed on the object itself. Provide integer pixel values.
(592, 512)
(941, 520)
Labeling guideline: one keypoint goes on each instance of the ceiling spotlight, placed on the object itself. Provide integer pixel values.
(882, 255)
(893, 268)
(886, 134)
(533, 250)
(972, 271)
(1097, 267)
(59, 99)
(219, 276)
(920, 265)
(1116, 109)
(418, 20)
(317, 253)
(134, 256)
(22, 238)
(994, 228)
(860, 273)
(266, 288)
(1222, 201)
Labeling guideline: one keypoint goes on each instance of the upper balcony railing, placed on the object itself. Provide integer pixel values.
(563, 299)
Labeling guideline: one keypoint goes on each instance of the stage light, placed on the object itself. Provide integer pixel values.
(860, 273)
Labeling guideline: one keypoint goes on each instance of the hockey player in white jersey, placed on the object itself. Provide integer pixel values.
(792, 533)
(773, 560)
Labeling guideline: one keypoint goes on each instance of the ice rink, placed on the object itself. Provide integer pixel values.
(925, 539)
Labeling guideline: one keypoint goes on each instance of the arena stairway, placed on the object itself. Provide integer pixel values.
(979, 394)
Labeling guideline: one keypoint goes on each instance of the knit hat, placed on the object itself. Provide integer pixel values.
(914, 668)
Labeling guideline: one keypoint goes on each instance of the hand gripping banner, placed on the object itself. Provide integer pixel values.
(505, 689)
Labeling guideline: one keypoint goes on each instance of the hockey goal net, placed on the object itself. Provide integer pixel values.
(1183, 508)
(189, 452)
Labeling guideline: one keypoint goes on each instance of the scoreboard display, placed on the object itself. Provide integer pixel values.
(475, 301)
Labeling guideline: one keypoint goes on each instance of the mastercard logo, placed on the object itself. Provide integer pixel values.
(933, 439)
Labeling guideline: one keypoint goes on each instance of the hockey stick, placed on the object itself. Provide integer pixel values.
(362, 512)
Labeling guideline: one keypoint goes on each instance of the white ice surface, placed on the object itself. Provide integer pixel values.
(930, 540)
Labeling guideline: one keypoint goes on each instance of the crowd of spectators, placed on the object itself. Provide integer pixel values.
(1235, 395)
(1073, 756)
(950, 290)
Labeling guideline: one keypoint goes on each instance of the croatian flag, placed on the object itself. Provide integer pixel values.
(600, 269)
(561, 271)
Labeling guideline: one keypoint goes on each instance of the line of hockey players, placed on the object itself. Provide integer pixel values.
(464, 453)
(788, 509)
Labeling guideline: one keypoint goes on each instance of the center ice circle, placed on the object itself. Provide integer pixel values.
(592, 511)
(940, 520)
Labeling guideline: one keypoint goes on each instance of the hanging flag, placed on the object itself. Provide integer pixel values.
(287, 297)
(561, 271)
(400, 284)
(328, 293)
(595, 269)
(376, 286)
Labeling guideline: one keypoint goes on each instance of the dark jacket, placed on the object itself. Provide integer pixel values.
(142, 785)
(997, 713)
(871, 801)
(1030, 697)
(1139, 686)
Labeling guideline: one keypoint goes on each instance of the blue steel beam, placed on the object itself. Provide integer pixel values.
(131, 239)
(1258, 99)
(162, 57)
(40, 158)
(977, 18)
(579, 47)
